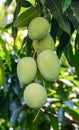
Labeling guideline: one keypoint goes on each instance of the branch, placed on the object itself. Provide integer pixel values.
(55, 116)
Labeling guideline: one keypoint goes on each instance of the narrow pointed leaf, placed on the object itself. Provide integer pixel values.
(7, 56)
(24, 18)
(69, 54)
(2, 75)
(55, 7)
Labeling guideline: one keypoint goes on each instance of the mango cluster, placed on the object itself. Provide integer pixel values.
(47, 62)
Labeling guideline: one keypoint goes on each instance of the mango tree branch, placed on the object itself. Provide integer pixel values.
(55, 116)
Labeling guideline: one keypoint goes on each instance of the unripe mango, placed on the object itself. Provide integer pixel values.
(26, 70)
(47, 43)
(48, 64)
(38, 28)
(35, 95)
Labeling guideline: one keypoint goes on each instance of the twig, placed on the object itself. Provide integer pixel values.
(55, 116)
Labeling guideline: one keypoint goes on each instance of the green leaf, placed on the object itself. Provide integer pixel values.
(25, 3)
(69, 54)
(14, 32)
(2, 75)
(73, 19)
(54, 123)
(43, 1)
(55, 7)
(17, 10)
(65, 4)
(75, 8)
(74, 113)
(64, 40)
(54, 28)
(28, 46)
(24, 18)
(8, 25)
(76, 57)
(8, 2)
(7, 56)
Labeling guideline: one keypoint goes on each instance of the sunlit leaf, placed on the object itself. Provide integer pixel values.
(67, 82)
(7, 56)
(65, 4)
(24, 18)
(73, 113)
(2, 75)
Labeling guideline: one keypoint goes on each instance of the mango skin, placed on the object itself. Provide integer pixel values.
(38, 28)
(35, 95)
(26, 70)
(48, 65)
(47, 43)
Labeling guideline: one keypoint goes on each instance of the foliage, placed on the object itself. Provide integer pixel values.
(62, 108)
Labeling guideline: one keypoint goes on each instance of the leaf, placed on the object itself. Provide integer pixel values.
(64, 40)
(2, 75)
(43, 1)
(54, 123)
(8, 2)
(62, 93)
(8, 25)
(25, 3)
(14, 116)
(24, 18)
(61, 115)
(69, 104)
(28, 46)
(7, 56)
(66, 4)
(75, 8)
(54, 28)
(76, 56)
(73, 19)
(14, 32)
(66, 81)
(74, 113)
(69, 54)
(55, 7)
(17, 10)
